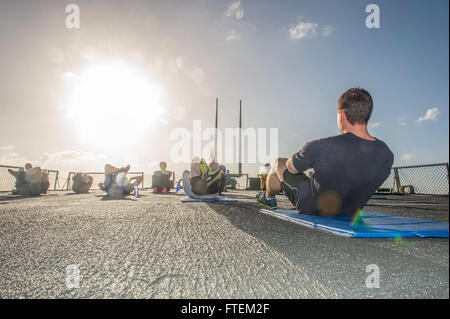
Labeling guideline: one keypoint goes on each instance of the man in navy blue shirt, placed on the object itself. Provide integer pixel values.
(334, 175)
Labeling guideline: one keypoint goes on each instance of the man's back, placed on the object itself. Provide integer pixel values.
(348, 170)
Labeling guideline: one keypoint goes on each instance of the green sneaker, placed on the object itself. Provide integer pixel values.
(268, 203)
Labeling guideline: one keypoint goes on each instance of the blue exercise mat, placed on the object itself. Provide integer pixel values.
(366, 224)
(208, 200)
(194, 198)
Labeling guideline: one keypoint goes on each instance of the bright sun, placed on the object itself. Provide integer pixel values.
(114, 105)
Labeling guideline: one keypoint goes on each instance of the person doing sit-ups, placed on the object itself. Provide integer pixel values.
(207, 178)
(30, 180)
(334, 175)
(116, 182)
(161, 180)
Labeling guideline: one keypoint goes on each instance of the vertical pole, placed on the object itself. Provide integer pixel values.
(56, 180)
(397, 180)
(217, 123)
(240, 138)
(68, 181)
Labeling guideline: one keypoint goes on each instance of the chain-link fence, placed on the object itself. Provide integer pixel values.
(429, 179)
(99, 177)
(8, 182)
(238, 181)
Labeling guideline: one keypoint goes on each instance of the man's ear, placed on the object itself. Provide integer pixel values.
(342, 116)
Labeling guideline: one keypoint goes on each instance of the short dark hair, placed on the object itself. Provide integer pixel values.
(357, 105)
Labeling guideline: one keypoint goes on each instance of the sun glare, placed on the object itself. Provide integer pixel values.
(114, 105)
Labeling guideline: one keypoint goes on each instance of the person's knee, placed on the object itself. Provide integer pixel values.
(195, 165)
(280, 163)
(278, 167)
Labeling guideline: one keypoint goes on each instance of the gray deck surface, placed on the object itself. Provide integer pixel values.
(157, 247)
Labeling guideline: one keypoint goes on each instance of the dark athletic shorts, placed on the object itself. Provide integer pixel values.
(199, 186)
(289, 185)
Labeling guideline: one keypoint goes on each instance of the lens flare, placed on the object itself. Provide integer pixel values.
(357, 218)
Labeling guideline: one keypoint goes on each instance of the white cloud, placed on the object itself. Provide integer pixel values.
(407, 157)
(326, 30)
(401, 120)
(303, 30)
(71, 159)
(431, 115)
(62, 161)
(9, 156)
(232, 35)
(235, 9)
(306, 30)
(374, 125)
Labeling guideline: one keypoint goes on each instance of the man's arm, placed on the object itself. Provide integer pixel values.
(290, 166)
(303, 160)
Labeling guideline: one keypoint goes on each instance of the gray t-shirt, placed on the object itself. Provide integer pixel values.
(348, 170)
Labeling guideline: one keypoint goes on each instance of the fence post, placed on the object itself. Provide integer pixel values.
(68, 180)
(56, 180)
(397, 180)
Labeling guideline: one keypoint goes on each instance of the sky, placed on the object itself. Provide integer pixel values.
(134, 72)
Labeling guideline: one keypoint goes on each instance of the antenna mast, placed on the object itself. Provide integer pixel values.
(240, 138)
(215, 134)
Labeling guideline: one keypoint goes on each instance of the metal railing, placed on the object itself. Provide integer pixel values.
(99, 177)
(8, 182)
(427, 179)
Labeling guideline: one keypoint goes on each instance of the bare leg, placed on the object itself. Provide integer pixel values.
(137, 179)
(224, 179)
(275, 177)
(14, 173)
(111, 170)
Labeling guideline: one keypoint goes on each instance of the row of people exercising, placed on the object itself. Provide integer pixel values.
(206, 178)
(328, 176)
